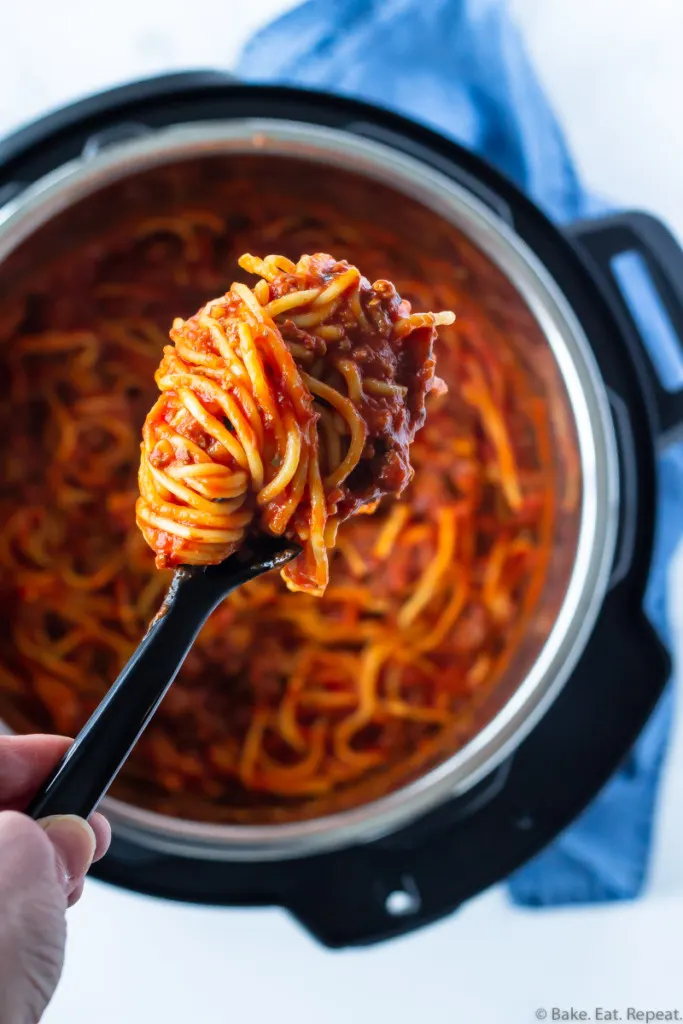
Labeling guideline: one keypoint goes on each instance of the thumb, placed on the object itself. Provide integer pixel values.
(74, 844)
(39, 869)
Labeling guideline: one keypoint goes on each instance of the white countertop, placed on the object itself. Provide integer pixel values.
(614, 73)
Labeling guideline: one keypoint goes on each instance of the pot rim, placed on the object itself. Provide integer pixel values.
(587, 396)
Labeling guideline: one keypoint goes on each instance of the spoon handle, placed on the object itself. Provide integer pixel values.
(93, 760)
(86, 771)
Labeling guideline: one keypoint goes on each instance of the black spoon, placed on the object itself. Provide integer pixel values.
(92, 762)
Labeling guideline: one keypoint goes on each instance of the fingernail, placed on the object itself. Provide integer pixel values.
(74, 843)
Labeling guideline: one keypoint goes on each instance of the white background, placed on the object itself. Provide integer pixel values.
(614, 72)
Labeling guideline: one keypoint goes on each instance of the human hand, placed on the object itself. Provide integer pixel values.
(42, 871)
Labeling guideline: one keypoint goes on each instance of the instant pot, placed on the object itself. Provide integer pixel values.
(394, 864)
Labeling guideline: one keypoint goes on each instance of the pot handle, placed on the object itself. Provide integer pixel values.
(605, 239)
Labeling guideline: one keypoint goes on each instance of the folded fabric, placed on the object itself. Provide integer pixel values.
(459, 66)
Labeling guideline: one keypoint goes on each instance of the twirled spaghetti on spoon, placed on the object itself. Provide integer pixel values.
(284, 409)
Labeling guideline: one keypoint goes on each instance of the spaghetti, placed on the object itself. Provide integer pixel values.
(285, 409)
(289, 706)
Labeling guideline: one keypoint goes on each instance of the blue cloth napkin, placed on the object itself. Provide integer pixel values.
(459, 66)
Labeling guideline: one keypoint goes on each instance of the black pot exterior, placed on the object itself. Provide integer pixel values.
(371, 892)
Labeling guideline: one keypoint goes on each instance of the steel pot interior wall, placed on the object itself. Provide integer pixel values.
(218, 172)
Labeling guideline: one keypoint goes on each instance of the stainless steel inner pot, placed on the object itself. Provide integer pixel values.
(587, 399)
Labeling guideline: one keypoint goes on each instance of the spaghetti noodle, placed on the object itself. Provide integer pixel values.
(288, 706)
(285, 409)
